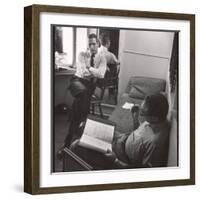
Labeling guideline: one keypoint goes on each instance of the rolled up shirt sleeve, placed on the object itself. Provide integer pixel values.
(81, 69)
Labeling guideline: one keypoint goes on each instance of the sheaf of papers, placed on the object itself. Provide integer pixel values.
(127, 106)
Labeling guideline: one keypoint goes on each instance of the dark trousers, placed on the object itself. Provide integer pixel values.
(82, 91)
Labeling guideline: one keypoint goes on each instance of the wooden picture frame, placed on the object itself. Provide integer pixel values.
(32, 107)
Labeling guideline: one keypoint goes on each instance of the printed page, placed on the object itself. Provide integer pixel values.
(99, 130)
(96, 144)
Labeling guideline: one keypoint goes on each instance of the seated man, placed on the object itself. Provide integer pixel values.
(146, 146)
(90, 66)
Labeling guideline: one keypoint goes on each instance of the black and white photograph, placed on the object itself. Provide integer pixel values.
(114, 98)
(108, 99)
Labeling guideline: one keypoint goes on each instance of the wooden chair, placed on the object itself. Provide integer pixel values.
(97, 100)
(109, 82)
(72, 162)
(112, 80)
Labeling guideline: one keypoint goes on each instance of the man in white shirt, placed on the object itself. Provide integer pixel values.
(90, 66)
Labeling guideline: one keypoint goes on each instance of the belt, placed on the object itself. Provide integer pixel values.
(88, 80)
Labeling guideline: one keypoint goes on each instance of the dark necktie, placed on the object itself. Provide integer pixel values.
(92, 60)
(93, 79)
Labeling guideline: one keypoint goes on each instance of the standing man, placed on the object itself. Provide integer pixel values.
(90, 66)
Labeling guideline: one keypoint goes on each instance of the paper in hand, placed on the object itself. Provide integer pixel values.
(128, 106)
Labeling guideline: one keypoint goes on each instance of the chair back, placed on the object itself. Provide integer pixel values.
(173, 142)
(112, 75)
(110, 81)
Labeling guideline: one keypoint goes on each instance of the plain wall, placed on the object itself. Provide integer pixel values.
(143, 53)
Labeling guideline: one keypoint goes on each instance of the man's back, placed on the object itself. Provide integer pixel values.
(148, 145)
(110, 57)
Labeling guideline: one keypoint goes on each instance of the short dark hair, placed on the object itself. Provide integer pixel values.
(92, 35)
(156, 105)
(105, 39)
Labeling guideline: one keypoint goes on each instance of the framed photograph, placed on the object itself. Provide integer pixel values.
(109, 99)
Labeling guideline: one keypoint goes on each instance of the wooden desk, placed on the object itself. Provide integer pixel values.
(61, 83)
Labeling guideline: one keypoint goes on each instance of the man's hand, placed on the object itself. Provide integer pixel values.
(135, 108)
(87, 63)
(135, 116)
(85, 56)
(110, 156)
